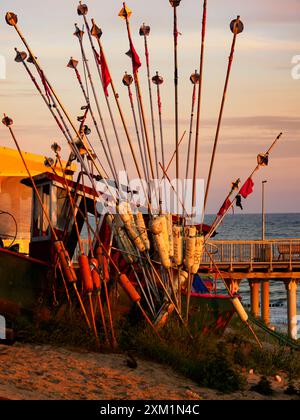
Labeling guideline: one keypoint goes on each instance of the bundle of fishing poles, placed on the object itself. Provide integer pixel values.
(161, 250)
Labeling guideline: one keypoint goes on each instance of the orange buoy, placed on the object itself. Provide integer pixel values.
(95, 275)
(85, 273)
(65, 262)
(129, 289)
(99, 255)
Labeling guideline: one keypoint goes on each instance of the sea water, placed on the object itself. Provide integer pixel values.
(249, 227)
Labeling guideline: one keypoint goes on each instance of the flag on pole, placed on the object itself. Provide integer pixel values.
(238, 200)
(106, 79)
(136, 62)
(247, 188)
(125, 13)
(225, 207)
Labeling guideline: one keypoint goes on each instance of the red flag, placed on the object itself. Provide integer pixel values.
(247, 188)
(106, 79)
(225, 207)
(136, 62)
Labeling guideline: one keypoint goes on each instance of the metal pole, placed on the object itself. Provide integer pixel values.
(236, 27)
(218, 219)
(144, 31)
(263, 211)
(175, 4)
(139, 96)
(106, 96)
(199, 104)
(79, 34)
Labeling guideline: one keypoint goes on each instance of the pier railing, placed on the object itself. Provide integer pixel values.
(277, 251)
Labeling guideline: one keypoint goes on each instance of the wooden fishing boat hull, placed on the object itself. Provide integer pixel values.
(23, 284)
(210, 313)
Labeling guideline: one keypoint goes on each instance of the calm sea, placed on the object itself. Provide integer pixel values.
(249, 226)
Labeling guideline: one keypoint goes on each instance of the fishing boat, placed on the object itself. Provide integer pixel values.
(25, 263)
(211, 309)
(85, 229)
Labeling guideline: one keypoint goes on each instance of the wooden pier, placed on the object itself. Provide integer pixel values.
(258, 262)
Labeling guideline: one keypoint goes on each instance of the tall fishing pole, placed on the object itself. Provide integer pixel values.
(158, 81)
(195, 78)
(174, 153)
(83, 259)
(97, 33)
(82, 10)
(235, 300)
(125, 13)
(93, 262)
(47, 97)
(145, 32)
(200, 83)
(21, 58)
(196, 158)
(12, 20)
(175, 4)
(59, 246)
(130, 290)
(73, 64)
(79, 34)
(236, 28)
(127, 81)
(218, 219)
(95, 266)
(172, 186)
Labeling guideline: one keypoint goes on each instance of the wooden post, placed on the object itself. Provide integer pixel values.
(254, 289)
(265, 301)
(291, 288)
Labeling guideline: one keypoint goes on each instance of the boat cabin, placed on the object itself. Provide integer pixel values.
(16, 204)
(52, 190)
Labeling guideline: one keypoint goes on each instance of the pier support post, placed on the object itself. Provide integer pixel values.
(254, 290)
(265, 301)
(291, 288)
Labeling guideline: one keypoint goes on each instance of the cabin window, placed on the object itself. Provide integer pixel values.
(41, 227)
(62, 208)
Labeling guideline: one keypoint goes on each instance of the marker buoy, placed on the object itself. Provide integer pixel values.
(85, 273)
(178, 244)
(65, 262)
(129, 289)
(240, 309)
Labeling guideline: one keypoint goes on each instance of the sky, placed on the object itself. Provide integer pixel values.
(263, 98)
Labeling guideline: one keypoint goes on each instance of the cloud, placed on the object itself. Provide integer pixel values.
(261, 121)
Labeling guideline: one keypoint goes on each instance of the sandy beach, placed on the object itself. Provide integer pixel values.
(34, 372)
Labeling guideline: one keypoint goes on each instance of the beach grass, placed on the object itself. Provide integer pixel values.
(211, 361)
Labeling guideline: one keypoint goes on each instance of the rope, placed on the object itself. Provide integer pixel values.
(279, 336)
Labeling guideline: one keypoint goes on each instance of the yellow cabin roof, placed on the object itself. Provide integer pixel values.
(12, 165)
